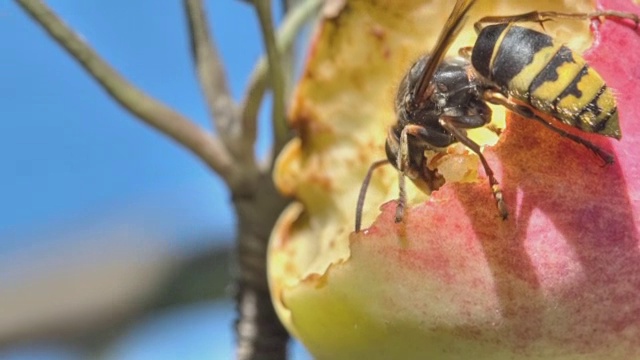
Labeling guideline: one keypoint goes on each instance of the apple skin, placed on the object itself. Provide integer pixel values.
(559, 279)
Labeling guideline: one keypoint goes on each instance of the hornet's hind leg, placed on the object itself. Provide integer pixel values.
(527, 112)
(541, 17)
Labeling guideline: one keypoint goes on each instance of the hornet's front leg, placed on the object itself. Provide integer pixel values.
(421, 138)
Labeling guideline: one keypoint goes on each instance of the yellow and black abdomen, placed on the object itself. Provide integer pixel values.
(531, 67)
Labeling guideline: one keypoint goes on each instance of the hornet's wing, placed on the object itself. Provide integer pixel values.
(451, 29)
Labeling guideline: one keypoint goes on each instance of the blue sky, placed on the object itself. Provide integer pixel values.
(67, 149)
(69, 154)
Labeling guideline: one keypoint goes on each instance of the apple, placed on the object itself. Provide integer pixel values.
(559, 279)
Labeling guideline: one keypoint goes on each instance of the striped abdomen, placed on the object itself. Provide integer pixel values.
(549, 76)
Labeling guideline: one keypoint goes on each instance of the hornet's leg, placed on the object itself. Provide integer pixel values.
(465, 52)
(525, 111)
(541, 17)
(452, 125)
(419, 136)
(402, 163)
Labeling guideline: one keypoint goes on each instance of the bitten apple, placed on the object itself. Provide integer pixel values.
(559, 279)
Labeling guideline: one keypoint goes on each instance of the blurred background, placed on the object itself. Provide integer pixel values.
(114, 242)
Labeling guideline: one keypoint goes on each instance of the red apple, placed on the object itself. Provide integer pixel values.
(559, 279)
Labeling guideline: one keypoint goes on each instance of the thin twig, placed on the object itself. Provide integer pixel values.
(146, 108)
(276, 74)
(286, 5)
(295, 19)
(288, 56)
(211, 74)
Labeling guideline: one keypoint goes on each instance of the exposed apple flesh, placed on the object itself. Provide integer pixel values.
(560, 279)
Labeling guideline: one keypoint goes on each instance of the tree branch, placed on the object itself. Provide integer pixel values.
(288, 56)
(276, 74)
(211, 74)
(146, 108)
(257, 202)
(257, 87)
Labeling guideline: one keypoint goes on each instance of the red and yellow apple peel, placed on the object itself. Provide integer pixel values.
(559, 279)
